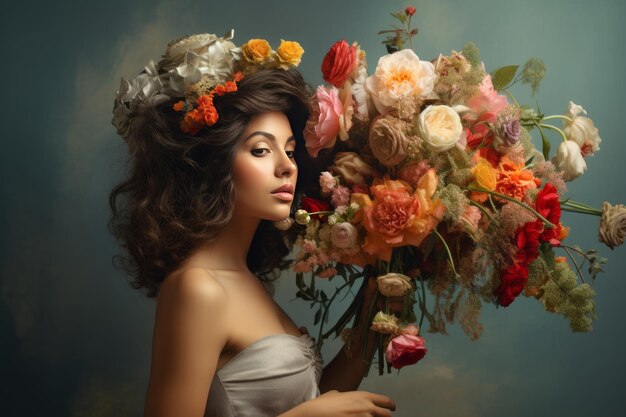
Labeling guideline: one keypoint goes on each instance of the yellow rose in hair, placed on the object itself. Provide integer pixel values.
(256, 51)
(289, 53)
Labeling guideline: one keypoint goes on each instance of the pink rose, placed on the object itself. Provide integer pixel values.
(328, 124)
(487, 100)
(405, 349)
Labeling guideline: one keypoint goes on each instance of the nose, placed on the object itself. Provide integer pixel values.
(285, 167)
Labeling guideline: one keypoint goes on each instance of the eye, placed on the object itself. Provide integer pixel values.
(291, 154)
(259, 151)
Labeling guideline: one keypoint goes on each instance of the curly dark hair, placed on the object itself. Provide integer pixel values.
(179, 190)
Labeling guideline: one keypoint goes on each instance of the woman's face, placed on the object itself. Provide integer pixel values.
(264, 162)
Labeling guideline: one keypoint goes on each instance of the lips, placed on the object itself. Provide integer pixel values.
(287, 188)
(284, 193)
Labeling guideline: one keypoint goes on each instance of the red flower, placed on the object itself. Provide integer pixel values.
(549, 207)
(527, 240)
(339, 63)
(512, 282)
(312, 205)
(404, 350)
(410, 11)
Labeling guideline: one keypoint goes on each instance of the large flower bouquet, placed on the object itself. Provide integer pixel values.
(432, 183)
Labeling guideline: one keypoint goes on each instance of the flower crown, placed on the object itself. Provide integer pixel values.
(194, 69)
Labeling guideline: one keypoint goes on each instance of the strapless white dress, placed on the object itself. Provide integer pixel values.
(267, 378)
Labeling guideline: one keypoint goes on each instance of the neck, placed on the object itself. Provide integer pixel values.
(229, 250)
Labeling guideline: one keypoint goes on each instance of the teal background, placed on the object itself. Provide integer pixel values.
(75, 339)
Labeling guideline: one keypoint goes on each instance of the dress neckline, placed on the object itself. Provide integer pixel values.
(256, 342)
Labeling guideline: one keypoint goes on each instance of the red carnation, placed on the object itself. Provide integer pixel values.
(527, 241)
(339, 63)
(549, 207)
(512, 282)
(410, 11)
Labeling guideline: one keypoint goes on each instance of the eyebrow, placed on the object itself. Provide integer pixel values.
(267, 135)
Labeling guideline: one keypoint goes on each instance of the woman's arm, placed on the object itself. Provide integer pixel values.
(189, 334)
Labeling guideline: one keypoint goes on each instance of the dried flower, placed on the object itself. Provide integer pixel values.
(393, 284)
(612, 225)
(385, 323)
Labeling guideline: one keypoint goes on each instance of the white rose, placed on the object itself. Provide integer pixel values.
(569, 160)
(581, 130)
(440, 127)
(393, 284)
(397, 75)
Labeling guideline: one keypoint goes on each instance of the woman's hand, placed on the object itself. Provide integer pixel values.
(345, 404)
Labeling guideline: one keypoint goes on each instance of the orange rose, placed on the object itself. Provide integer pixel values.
(397, 216)
(256, 51)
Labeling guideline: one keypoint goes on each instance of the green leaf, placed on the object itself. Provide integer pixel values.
(318, 316)
(503, 76)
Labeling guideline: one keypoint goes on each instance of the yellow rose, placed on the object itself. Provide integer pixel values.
(484, 175)
(256, 51)
(289, 53)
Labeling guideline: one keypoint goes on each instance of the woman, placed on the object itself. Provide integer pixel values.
(214, 132)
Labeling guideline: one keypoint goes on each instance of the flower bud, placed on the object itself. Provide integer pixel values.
(302, 217)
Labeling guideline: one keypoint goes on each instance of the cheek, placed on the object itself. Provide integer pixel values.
(248, 174)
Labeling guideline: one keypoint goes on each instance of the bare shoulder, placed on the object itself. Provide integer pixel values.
(193, 285)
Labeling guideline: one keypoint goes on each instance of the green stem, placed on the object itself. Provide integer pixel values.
(447, 250)
(575, 264)
(511, 95)
(579, 207)
(423, 303)
(506, 197)
(554, 128)
(484, 210)
(557, 116)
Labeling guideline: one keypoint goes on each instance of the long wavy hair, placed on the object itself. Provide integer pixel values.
(179, 190)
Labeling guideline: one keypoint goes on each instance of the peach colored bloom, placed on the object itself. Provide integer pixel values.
(398, 216)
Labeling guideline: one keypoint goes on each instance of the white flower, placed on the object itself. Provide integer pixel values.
(393, 284)
(363, 101)
(569, 160)
(302, 217)
(581, 130)
(397, 75)
(440, 127)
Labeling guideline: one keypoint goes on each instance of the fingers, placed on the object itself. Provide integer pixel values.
(382, 401)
